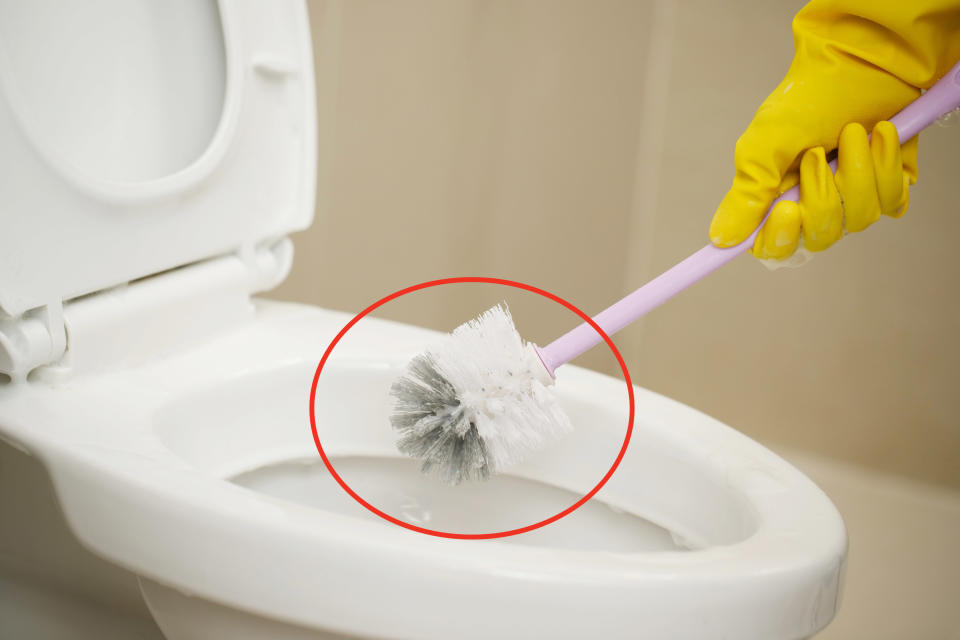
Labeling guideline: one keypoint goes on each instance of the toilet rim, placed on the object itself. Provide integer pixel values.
(134, 481)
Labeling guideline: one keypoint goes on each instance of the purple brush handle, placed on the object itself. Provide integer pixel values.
(942, 98)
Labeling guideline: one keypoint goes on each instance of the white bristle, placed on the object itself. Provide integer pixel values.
(476, 402)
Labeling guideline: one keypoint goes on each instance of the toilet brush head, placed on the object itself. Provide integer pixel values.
(476, 402)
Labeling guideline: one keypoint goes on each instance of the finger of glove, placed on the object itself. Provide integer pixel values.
(908, 152)
(740, 211)
(888, 164)
(905, 202)
(856, 179)
(821, 210)
(779, 237)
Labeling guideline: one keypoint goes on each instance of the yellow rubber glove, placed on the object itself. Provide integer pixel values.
(856, 61)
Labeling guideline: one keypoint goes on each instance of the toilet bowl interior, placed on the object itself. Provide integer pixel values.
(254, 430)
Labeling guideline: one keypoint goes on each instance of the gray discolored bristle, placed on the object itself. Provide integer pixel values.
(476, 401)
(434, 426)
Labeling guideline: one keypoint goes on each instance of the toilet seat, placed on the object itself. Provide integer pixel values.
(147, 491)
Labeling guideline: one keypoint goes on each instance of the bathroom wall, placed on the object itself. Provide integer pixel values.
(581, 146)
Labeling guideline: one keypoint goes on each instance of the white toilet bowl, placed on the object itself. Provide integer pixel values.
(199, 474)
(169, 412)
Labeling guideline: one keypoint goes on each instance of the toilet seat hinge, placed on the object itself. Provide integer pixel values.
(34, 338)
(128, 324)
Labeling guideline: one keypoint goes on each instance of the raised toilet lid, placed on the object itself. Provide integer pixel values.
(138, 136)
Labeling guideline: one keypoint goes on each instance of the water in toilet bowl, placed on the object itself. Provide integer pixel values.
(397, 487)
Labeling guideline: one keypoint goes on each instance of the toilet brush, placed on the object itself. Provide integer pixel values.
(478, 401)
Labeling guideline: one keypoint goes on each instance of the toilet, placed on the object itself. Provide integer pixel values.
(157, 466)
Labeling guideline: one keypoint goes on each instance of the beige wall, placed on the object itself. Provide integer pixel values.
(581, 146)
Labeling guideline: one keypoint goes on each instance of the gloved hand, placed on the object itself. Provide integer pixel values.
(856, 61)
(872, 179)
